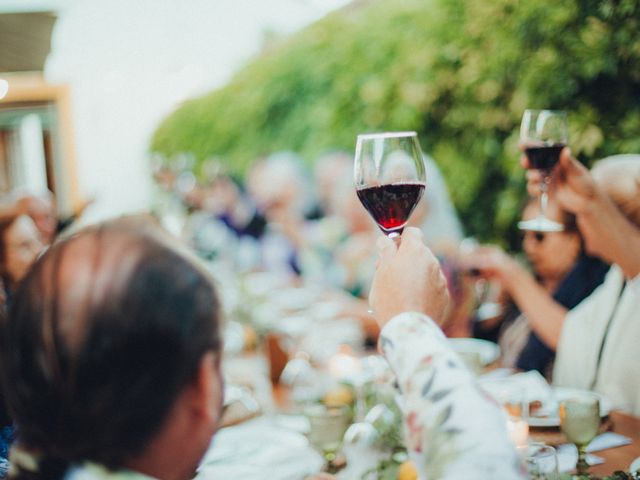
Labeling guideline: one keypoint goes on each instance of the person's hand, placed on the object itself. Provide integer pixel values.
(573, 185)
(408, 279)
(489, 261)
(321, 476)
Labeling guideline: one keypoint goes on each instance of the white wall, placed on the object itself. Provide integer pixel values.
(130, 62)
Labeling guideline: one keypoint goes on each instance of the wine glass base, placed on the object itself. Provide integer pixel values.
(540, 224)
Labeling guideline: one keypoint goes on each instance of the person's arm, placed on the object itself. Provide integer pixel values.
(545, 315)
(454, 430)
(607, 232)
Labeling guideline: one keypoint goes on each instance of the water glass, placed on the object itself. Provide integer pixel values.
(327, 426)
(540, 461)
(580, 421)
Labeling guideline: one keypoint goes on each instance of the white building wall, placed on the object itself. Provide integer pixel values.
(130, 62)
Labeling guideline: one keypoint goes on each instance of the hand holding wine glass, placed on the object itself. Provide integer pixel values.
(408, 279)
(543, 135)
(389, 175)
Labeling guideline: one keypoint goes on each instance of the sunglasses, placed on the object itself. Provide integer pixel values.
(538, 236)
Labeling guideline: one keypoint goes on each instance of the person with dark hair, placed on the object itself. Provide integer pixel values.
(112, 355)
(110, 362)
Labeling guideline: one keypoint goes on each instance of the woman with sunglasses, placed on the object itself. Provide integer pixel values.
(597, 345)
(563, 275)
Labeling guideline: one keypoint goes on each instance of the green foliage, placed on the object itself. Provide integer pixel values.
(458, 72)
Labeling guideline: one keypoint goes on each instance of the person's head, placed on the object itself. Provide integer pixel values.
(347, 206)
(552, 254)
(41, 209)
(111, 353)
(278, 184)
(20, 245)
(328, 171)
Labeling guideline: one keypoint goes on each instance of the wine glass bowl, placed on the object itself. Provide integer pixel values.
(580, 421)
(327, 426)
(389, 175)
(543, 135)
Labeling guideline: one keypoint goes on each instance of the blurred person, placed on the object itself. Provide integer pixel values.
(129, 328)
(597, 340)
(329, 171)
(279, 186)
(111, 358)
(436, 215)
(20, 245)
(42, 209)
(225, 197)
(560, 265)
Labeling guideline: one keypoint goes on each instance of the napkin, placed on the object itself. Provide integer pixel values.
(568, 453)
(568, 457)
(608, 440)
(527, 385)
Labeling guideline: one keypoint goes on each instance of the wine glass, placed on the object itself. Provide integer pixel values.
(541, 461)
(580, 421)
(543, 134)
(327, 426)
(389, 177)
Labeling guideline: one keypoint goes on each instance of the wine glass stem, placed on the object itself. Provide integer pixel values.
(582, 466)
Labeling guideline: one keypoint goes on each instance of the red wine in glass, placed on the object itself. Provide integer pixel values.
(544, 157)
(543, 133)
(391, 205)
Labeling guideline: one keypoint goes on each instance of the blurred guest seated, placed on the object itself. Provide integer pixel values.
(20, 245)
(6, 437)
(123, 300)
(226, 198)
(280, 188)
(41, 208)
(328, 171)
(597, 341)
(560, 266)
(436, 215)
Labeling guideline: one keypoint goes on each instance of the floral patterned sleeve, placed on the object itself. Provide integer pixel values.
(453, 429)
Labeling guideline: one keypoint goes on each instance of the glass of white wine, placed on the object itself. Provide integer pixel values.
(580, 421)
(327, 426)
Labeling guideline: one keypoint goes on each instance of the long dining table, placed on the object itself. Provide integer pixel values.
(620, 458)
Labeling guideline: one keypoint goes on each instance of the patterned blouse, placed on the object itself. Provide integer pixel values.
(454, 430)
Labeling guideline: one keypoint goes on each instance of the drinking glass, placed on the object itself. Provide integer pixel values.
(543, 134)
(580, 421)
(389, 175)
(327, 426)
(540, 461)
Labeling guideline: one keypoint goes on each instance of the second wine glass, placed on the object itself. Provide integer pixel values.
(543, 134)
(389, 176)
(580, 421)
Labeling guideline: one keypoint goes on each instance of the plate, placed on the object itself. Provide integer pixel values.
(247, 451)
(488, 352)
(635, 465)
(547, 415)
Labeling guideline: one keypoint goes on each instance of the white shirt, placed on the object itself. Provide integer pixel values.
(583, 334)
